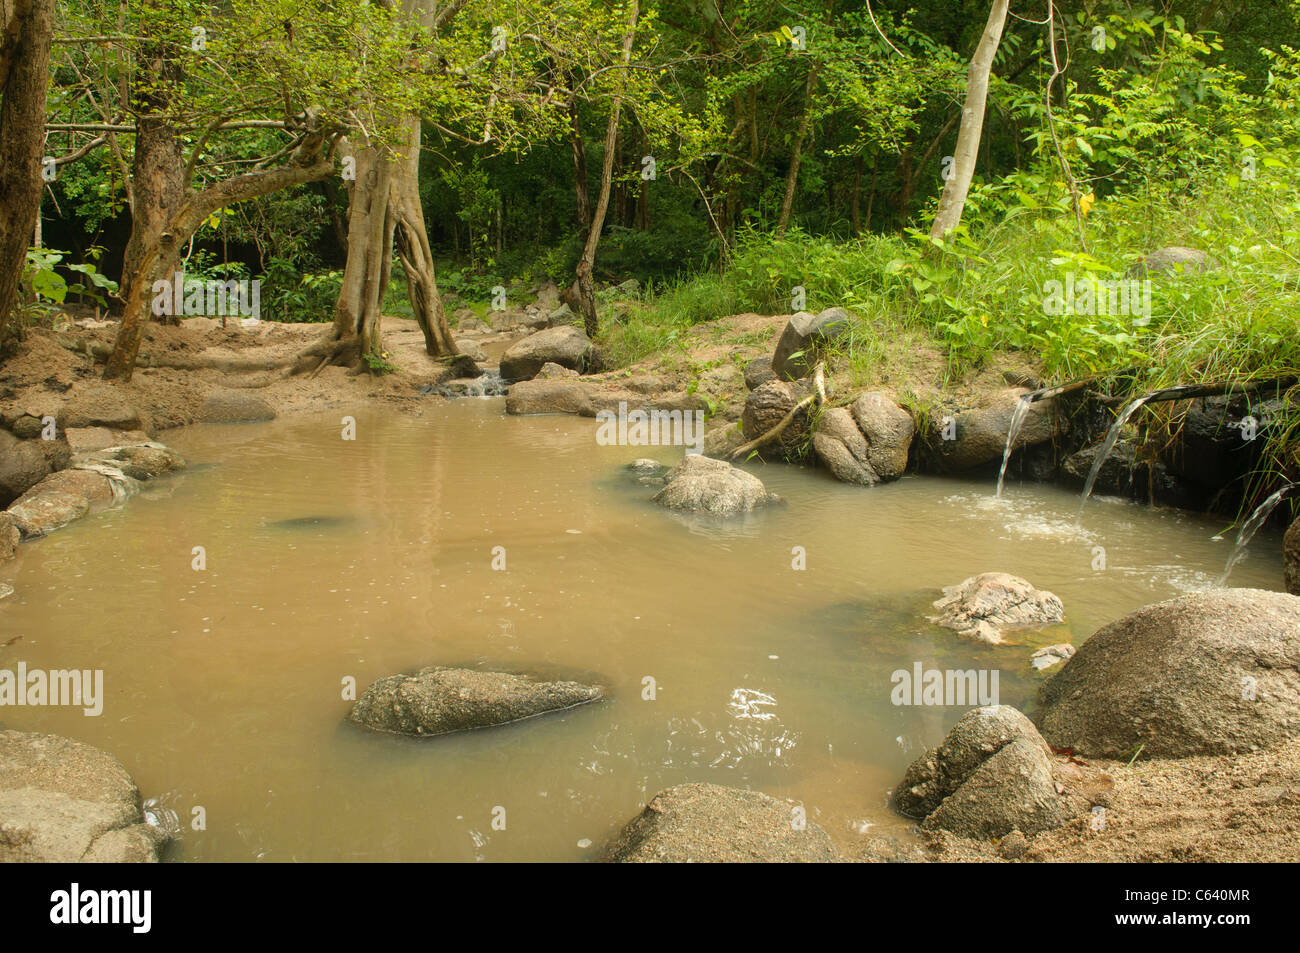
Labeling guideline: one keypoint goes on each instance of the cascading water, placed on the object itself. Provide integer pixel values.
(1017, 421)
(1107, 445)
(1251, 527)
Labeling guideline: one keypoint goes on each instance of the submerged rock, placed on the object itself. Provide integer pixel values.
(565, 345)
(1212, 672)
(437, 700)
(708, 823)
(62, 801)
(1050, 655)
(983, 606)
(991, 775)
(548, 397)
(701, 484)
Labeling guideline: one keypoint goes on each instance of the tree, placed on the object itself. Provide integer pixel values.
(953, 200)
(26, 28)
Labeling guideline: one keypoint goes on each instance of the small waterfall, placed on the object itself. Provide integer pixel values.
(1251, 527)
(487, 384)
(1017, 421)
(1107, 445)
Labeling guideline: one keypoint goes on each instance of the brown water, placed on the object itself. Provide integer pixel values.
(224, 686)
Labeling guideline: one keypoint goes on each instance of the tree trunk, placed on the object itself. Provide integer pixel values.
(580, 183)
(356, 313)
(25, 31)
(796, 151)
(953, 201)
(586, 288)
(855, 219)
(411, 240)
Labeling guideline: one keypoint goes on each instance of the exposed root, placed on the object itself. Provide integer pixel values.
(818, 396)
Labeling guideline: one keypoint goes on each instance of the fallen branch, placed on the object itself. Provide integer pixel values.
(818, 396)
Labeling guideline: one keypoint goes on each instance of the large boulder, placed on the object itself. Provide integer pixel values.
(1173, 260)
(758, 372)
(100, 406)
(142, 461)
(1291, 558)
(991, 775)
(22, 466)
(1212, 672)
(702, 484)
(234, 407)
(979, 436)
(94, 487)
(765, 407)
(437, 700)
(62, 801)
(548, 397)
(471, 349)
(983, 607)
(565, 345)
(708, 823)
(840, 446)
(888, 430)
(805, 340)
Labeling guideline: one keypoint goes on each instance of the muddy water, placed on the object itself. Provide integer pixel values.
(329, 559)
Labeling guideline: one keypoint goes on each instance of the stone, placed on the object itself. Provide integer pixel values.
(230, 407)
(1212, 672)
(767, 406)
(471, 349)
(100, 406)
(22, 466)
(48, 512)
(708, 823)
(805, 341)
(701, 484)
(62, 801)
(1291, 558)
(565, 345)
(438, 700)
(983, 607)
(548, 397)
(1173, 260)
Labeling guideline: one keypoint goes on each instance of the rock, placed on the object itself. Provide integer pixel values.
(565, 345)
(701, 484)
(230, 407)
(808, 336)
(991, 775)
(439, 700)
(517, 320)
(100, 406)
(1120, 475)
(56, 452)
(467, 322)
(47, 512)
(471, 349)
(87, 439)
(1050, 655)
(758, 372)
(888, 430)
(765, 407)
(562, 314)
(141, 461)
(984, 606)
(548, 397)
(6, 590)
(10, 535)
(645, 467)
(1204, 447)
(1173, 260)
(842, 449)
(94, 487)
(26, 427)
(708, 823)
(1013, 846)
(979, 436)
(1212, 672)
(548, 296)
(458, 367)
(62, 801)
(721, 441)
(22, 466)
(1291, 558)
(552, 371)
